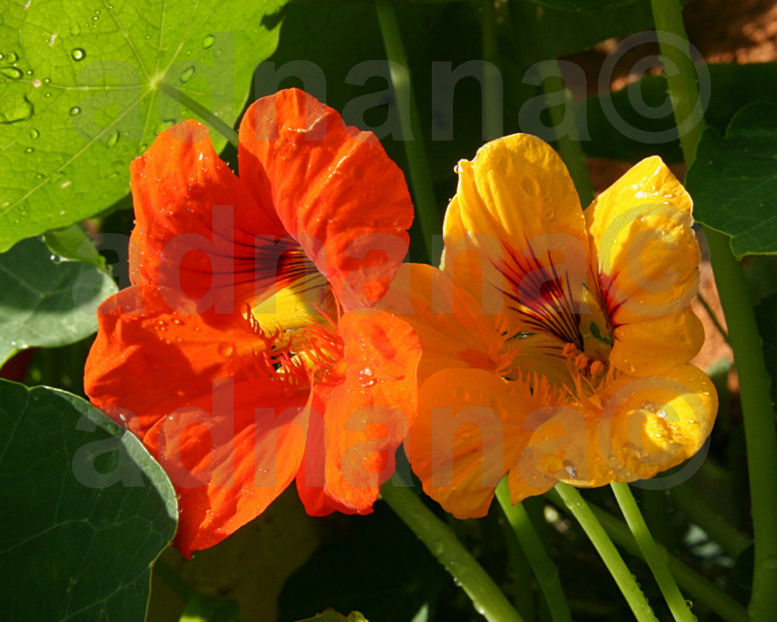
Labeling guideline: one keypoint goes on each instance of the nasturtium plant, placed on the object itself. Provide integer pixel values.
(86, 510)
(46, 301)
(85, 87)
(733, 180)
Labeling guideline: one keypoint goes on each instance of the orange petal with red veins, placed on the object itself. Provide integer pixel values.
(333, 187)
(351, 445)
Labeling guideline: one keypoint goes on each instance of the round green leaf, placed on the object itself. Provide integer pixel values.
(86, 85)
(85, 510)
(47, 302)
(733, 180)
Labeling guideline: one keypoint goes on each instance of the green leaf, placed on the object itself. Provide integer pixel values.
(72, 244)
(205, 608)
(330, 615)
(86, 85)
(45, 303)
(733, 180)
(637, 121)
(85, 511)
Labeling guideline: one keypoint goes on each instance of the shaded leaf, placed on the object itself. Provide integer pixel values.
(46, 303)
(87, 85)
(85, 511)
(582, 5)
(72, 244)
(636, 121)
(733, 180)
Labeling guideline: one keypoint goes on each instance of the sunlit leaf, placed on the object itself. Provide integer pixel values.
(85, 510)
(85, 86)
(46, 302)
(733, 180)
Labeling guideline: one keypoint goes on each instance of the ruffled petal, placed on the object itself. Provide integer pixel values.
(333, 187)
(352, 443)
(517, 209)
(655, 346)
(452, 331)
(651, 424)
(197, 230)
(646, 256)
(204, 402)
(467, 435)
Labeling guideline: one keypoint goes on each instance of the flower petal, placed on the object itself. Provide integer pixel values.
(517, 207)
(646, 255)
(655, 346)
(468, 433)
(451, 329)
(197, 231)
(652, 424)
(204, 402)
(367, 416)
(333, 187)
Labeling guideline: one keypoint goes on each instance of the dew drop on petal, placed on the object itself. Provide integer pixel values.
(226, 349)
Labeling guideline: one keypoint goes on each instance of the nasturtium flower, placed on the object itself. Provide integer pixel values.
(555, 341)
(245, 353)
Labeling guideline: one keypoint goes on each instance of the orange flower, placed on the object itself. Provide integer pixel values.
(244, 354)
(555, 341)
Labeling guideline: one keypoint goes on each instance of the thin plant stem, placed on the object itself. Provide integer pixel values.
(718, 326)
(429, 218)
(697, 586)
(487, 598)
(220, 126)
(754, 380)
(626, 582)
(492, 74)
(542, 565)
(651, 553)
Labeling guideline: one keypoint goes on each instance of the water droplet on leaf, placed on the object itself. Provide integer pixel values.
(208, 41)
(113, 138)
(75, 111)
(33, 133)
(14, 73)
(186, 74)
(37, 83)
(78, 54)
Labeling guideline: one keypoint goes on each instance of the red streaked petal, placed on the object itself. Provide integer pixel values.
(367, 416)
(333, 187)
(197, 230)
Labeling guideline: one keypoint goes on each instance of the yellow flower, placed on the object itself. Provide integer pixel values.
(556, 341)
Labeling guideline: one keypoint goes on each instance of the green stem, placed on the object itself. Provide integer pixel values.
(225, 130)
(570, 149)
(487, 598)
(700, 589)
(713, 317)
(651, 553)
(607, 551)
(754, 381)
(418, 165)
(492, 71)
(542, 565)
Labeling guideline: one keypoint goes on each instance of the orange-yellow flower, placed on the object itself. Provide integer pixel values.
(555, 341)
(244, 354)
